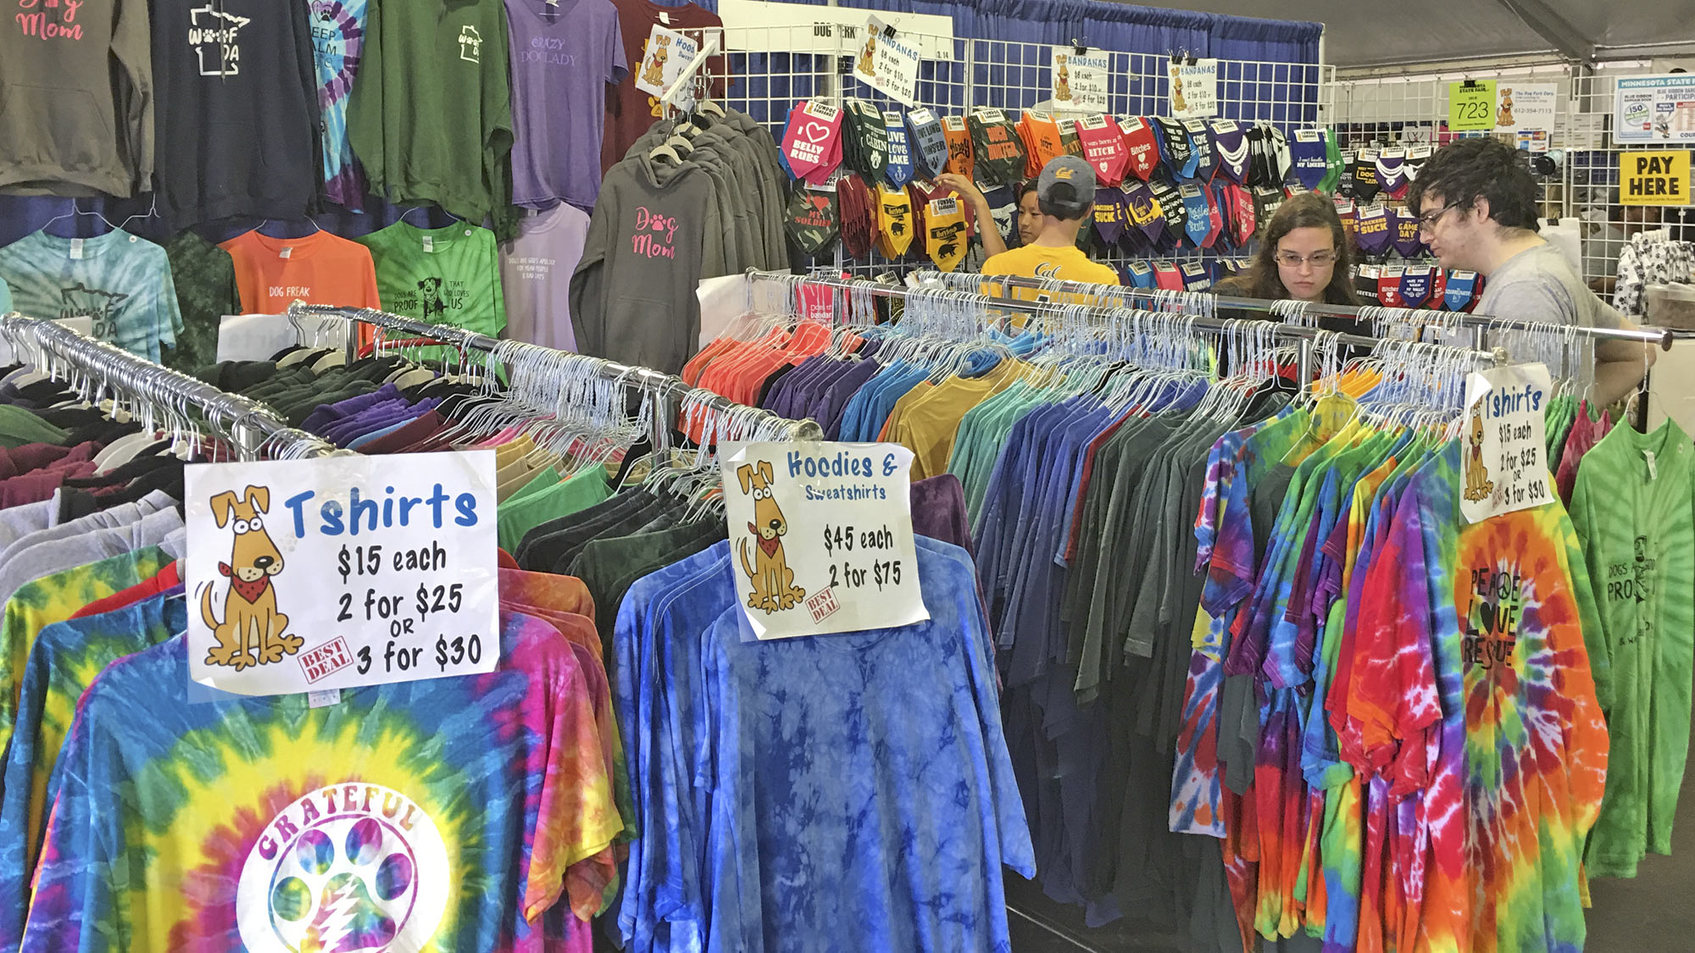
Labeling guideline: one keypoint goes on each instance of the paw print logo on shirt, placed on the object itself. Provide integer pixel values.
(350, 868)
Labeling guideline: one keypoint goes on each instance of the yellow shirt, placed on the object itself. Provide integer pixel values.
(927, 419)
(1040, 261)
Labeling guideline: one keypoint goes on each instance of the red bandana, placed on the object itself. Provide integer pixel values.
(251, 591)
(766, 546)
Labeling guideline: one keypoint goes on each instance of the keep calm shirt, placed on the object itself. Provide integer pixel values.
(338, 37)
(565, 53)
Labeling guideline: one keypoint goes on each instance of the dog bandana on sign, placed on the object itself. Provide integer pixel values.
(811, 220)
(1389, 286)
(1392, 171)
(894, 221)
(1200, 146)
(1141, 146)
(1311, 163)
(812, 137)
(1460, 294)
(928, 143)
(1041, 141)
(247, 589)
(961, 160)
(1415, 285)
(1373, 224)
(944, 233)
(1103, 148)
(1408, 242)
(1230, 150)
(900, 155)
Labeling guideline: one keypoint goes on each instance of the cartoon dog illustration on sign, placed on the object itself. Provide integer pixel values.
(1478, 486)
(654, 73)
(772, 580)
(252, 632)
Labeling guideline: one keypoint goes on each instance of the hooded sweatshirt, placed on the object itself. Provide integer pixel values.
(238, 128)
(655, 233)
(76, 99)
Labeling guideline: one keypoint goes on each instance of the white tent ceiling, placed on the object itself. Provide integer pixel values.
(1366, 33)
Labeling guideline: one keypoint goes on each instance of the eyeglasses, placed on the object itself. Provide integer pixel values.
(1318, 259)
(1427, 221)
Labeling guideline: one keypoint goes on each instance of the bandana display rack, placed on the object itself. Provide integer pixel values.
(637, 381)
(156, 392)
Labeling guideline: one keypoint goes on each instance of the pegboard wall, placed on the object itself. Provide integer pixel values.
(768, 75)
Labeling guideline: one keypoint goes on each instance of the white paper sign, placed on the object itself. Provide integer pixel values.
(668, 54)
(1194, 89)
(1525, 106)
(1655, 108)
(821, 537)
(1080, 80)
(310, 575)
(1503, 443)
(887, 64)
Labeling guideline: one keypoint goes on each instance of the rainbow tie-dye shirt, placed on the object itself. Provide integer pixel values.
(431, 815)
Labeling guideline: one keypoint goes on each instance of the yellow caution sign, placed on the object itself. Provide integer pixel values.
(1660, 177)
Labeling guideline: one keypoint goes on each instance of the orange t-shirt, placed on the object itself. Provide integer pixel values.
(318, 269)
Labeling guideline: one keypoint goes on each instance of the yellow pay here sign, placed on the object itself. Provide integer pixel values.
(1660, 177)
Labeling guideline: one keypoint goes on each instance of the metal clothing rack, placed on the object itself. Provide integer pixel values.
(638, 380)
(250, 425)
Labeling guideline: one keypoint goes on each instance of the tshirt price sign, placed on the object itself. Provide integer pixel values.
(1660, 177)
(1471, 106)
(311, 575)
(886, 64)
(1503, 441)
(821, 537)
(1079, 79)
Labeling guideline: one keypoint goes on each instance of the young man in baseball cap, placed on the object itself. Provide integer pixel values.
(1065, 193)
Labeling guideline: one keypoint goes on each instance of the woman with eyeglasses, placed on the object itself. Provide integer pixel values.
(1303, 256)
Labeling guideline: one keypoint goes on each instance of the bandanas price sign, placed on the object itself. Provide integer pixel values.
(1079, 79)
(312, 575)
(1471, 105)
(1194, 89)
(886, 64)
(821, 537)
(1503, 441)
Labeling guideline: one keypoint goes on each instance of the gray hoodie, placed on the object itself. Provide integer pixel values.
(76, 99)
(654, 234)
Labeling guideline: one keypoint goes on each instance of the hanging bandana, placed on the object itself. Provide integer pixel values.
(944, 233)
(929, 145)
(857, 217)
(1279, 146)
(1230, 150)
(1417, 156)
(1266, 203)
(1365, 282)
(1103, 147)
(1174, 146)
(1460, 294)
(999, 151)
(1244, 213)
(1415, 285)
(1392, 171)
(1311, 162)
(1041, 141)
(867, 147)
(1200, 146)
(1196, 222)
(810, 219)
(1137, 274)
(1146, 215)
(1195, 276)
(961, 160)
(1171, 204)
(1215, 214)
(1068, 140)
(1375, 239)
(1334, 163)
(1167, 276)
(1408, 242)
(894, 221)
(1438, 286)
(1109, 215)
(1141, 146)
(1389, 286)
(1366, 184)
(900, 155)
(812, 137)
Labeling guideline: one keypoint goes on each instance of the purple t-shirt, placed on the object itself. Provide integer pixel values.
(535, 274)
(563, 56)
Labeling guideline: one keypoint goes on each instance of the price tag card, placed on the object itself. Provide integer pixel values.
(1080, 79)
(1194, 89)
(821, 537)
(886, 64)
(668, 54)
(311, 575)
(1471, 105)
(1503, 442)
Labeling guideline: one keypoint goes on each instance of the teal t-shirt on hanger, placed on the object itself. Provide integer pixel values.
(120, 281)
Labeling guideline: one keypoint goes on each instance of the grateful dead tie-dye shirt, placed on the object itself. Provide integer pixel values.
(426, 815)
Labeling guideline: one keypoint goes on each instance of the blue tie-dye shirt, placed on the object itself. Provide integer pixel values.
(119, 281)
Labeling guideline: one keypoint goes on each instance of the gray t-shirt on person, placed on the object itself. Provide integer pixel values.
(1539, 284)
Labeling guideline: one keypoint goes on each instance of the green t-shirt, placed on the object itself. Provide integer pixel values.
(204, 277)
(448, 275)
(19, 426)
(530, 508)
(1634, 510)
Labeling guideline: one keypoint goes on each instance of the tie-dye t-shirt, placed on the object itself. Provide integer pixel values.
(54, 598)
(427, 815)
(338, 36)
(1634, 512)
(66, 658)
(1476, 702)
(120, 282)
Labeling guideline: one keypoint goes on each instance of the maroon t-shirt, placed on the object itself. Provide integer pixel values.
(630, 111)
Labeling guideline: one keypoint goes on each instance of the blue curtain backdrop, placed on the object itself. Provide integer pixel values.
(1117, 27)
